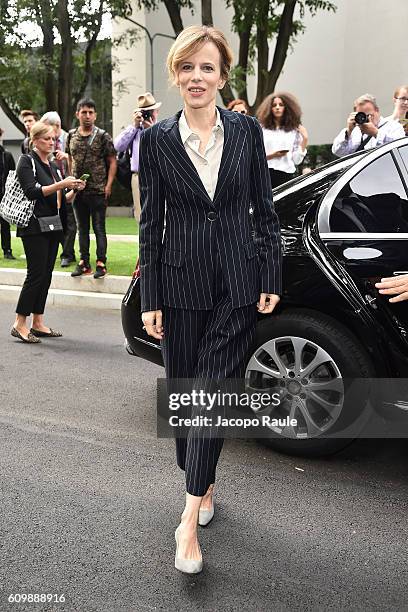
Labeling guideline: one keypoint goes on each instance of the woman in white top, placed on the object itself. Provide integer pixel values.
(285, 138)
(400, 107)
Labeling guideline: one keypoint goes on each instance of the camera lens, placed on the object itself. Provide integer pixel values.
(361, 118)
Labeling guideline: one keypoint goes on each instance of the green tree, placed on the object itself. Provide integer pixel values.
(47, 50)
(257, 24)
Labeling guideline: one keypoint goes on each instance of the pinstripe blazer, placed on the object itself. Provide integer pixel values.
(181, 228)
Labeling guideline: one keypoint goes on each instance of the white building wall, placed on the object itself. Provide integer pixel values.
(361, 48)
(12, 137)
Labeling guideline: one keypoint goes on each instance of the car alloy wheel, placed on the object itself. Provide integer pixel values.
(308, 380)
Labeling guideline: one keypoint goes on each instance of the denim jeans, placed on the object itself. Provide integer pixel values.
(94, 206)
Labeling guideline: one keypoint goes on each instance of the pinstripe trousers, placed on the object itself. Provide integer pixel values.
(208, 345)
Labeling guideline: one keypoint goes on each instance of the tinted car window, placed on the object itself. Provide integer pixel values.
(292, 208)
(373, 201)
(404, 153)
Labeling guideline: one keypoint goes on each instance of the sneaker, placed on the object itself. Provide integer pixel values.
(66, 261)
(81, 269)
(8, 255)
(100, 272)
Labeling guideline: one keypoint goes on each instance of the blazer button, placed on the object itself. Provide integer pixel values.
(212, 215)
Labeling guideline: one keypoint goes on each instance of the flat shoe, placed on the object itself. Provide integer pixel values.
(31, 339)
(188, 566)
(51, 334)
(205, 516)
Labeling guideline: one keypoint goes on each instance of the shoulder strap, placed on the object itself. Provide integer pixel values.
(25, 155)
(92, 137)
(366, 140)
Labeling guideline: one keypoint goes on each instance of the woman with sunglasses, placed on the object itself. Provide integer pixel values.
(284, 137)
(238, 106)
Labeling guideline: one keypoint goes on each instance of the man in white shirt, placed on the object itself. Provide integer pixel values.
(366, 132)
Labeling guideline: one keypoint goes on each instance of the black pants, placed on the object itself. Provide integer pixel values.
(94, 206)
(278, 177)
(206, 345)
(68, 240)
(5, 236)
(41, 252)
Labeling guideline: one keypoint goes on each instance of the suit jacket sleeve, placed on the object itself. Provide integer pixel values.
(152, 201)
(266, 221)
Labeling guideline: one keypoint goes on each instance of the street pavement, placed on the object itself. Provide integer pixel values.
(90, 497)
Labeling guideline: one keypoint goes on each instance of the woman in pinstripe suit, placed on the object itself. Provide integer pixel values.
(204, 280)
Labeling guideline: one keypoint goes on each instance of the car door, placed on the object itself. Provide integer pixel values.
(363, 222)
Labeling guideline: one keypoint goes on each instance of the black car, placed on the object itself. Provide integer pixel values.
(344, 226)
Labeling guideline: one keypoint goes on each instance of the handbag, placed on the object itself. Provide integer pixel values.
(15, 208)
(50, 224)
(124, 173)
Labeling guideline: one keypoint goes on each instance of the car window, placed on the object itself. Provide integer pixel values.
(373, 201)
(404, 155)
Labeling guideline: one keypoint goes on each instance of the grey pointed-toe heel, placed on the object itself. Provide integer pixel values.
(188, 566)
(205, 516)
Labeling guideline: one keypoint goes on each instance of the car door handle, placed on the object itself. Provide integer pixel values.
(398, 272)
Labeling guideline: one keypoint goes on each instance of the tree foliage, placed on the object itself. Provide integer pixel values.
(47, 50)
(258, 23)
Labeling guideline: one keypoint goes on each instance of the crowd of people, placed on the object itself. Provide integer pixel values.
(85, 159)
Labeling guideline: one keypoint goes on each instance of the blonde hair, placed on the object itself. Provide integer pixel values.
(38, 130)
(399, 89)
(364, 99)
(190, 40)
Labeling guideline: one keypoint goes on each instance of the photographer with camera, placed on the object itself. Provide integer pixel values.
(366, 129)
(144, 116)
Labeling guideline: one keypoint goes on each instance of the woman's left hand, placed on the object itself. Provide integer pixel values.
(267, 307)
(303, 132)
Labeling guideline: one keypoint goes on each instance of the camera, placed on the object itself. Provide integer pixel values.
(147, 114)
(361, 118)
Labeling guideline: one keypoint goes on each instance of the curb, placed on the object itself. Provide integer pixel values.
(101, 294)
(109, 237)
(60, 297)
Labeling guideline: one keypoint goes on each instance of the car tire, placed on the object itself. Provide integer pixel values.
(349, 360)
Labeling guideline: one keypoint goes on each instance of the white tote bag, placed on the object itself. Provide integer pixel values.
(14, 206)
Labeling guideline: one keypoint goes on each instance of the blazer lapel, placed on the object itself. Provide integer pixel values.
(234, 139)
(172, 147)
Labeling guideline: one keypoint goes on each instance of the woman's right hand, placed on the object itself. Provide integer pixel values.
(351, 122)
(153, 323)
(70, 182)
